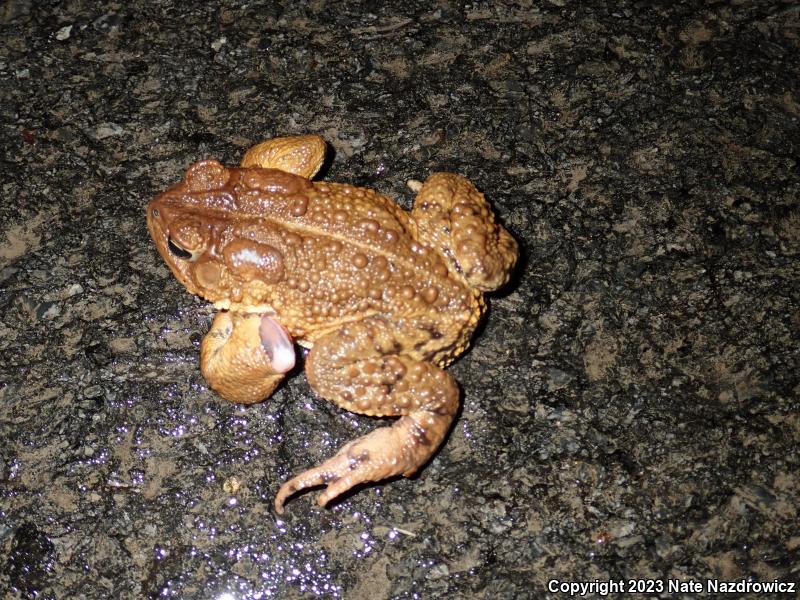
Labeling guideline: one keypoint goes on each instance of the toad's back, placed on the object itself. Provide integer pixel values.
(354, 254)
(345, 253)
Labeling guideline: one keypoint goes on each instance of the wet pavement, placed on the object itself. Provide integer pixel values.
(630, 408)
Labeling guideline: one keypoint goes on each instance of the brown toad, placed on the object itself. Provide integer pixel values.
(384, 298)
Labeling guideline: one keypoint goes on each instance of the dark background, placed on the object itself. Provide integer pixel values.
(630, 409)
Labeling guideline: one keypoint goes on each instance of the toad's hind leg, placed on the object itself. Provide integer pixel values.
(362, 368)
(454, 218)
(301, 154)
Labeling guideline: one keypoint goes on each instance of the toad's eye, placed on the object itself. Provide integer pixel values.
(188, 238)
(176, 250)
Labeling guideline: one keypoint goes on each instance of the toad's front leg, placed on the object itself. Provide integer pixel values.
(244, 356)
(363, 368)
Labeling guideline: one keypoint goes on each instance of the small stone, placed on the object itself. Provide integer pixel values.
(93, 391)
(74, 290)
(48, 310)
(231, 485)
(107, 130)
(64, 33)
(439, 571)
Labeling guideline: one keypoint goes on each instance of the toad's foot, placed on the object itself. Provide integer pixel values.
(362, 368)
(302, 155)
(388, 451)
(244, 356)
(454, 218)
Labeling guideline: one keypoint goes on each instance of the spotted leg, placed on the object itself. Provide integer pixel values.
(244, 356)
(454, 217)
(302, 155)
(363, 368)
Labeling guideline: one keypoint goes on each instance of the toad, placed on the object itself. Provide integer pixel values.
(384, 298)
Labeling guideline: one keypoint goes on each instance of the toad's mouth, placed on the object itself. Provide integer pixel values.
(247, 308)
(277, 343)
